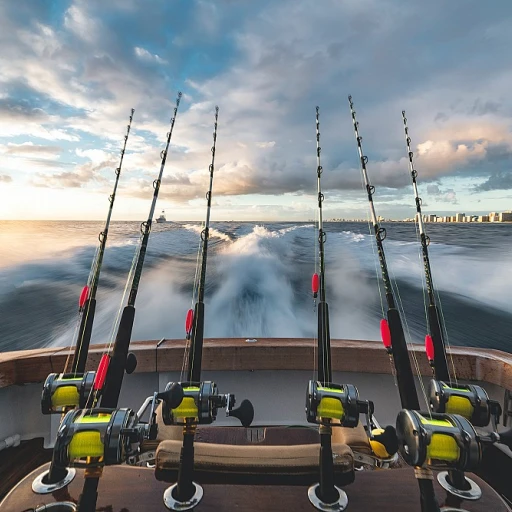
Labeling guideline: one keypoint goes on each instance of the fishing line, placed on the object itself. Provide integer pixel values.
(410, 344)
(435, 318)
(87, 301)
(194, 324)
(391, 329)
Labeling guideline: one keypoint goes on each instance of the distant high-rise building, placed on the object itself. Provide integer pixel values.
(459, 217)
(505, 216)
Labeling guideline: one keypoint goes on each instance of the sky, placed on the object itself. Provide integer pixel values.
(70, 71)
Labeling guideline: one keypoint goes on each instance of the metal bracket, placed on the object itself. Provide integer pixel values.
(507, 407)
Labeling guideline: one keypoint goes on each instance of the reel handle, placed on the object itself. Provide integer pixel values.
(245, 413)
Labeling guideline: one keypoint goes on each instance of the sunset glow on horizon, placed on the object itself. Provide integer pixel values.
(72, 70)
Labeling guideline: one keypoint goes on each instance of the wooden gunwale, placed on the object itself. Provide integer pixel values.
(232, 354)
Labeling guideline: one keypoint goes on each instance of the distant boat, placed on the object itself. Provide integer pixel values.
(161, 218)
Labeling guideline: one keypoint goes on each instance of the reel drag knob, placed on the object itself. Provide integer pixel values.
(172, 396)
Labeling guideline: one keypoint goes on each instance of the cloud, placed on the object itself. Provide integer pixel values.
(73, 75)
(147, 56)
(265, 145)
(30, 150)
(442, 195)
(499, 180)
(5, 178)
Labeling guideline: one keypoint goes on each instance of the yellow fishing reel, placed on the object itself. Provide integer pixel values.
(62, 391)
(469, 401)
(334, 402)
(341, 402)
(201, 401)
(438, 441)
(97, 437)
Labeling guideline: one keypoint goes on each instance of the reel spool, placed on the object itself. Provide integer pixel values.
(334, 402)
(469, 401)
(200, 404)
(446, 441)
(98, 437)
(62, 391)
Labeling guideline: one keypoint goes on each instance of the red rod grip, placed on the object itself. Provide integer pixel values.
(83, 296)
(188, 321)
(315, 285)
(101, 373)
(385, 334)
(429, 347)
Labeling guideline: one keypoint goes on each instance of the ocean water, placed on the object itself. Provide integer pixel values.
(258, 280)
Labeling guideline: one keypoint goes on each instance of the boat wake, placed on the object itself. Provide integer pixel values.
(258, 285)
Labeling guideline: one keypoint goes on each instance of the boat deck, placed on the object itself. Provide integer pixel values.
(131, 489)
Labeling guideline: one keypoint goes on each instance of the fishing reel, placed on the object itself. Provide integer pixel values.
(63, 391)
(470, 401)
(442, 441)
(341, 402)
(104, 437)
(200, 404)
(334, 402)
(98, 437)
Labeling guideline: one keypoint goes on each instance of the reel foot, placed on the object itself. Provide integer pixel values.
(472, 494)
(41, 486)
(180, 506)
(337, 506)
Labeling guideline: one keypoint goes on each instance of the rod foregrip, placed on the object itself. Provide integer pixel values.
(327, 492)
(440, 363)
(404, 376)
(324, 344)
(84, 337)
(117, 366)
(428, 499)
(196, 344)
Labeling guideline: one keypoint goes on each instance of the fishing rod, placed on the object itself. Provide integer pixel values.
(470, 401)
(318, 284)
(87, 302)
(64, 391)
(114, 363)
(332, 405)
(195, 317)
(201, 399)
(392, 331)
(434, 337)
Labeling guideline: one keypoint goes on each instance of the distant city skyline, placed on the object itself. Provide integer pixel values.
(72, 71)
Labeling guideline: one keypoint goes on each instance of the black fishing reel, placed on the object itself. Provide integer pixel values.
(201, 401)
(326, 402)
(104, 437)
(439, 441)
(98, 437)
(64, 391)
(470, 401)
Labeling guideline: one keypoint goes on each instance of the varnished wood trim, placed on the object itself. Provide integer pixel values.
(230, 354)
